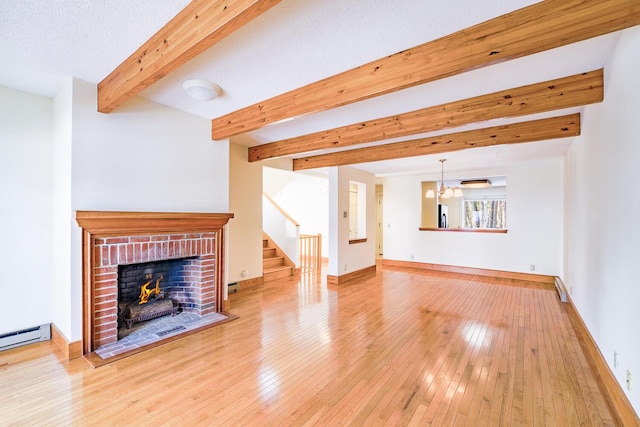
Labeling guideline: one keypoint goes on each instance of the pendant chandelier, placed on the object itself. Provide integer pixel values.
(444, 192)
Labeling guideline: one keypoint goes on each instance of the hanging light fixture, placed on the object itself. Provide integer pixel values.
(444, 192)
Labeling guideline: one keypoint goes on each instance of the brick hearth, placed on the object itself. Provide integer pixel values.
(113, 251)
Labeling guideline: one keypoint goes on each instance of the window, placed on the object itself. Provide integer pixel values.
(485, 208)
(357, 210)
(485, 213)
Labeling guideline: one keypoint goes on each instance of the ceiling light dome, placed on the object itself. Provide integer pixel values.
(202, 90)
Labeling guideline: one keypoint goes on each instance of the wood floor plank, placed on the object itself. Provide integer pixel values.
(477, 400)
(433, 373)
(405, 347)
(470, 382)
(443, 399)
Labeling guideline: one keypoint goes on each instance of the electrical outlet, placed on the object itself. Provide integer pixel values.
(411, 256)
(532, 267)
(615, 359)
(345, 267)
(628, 380)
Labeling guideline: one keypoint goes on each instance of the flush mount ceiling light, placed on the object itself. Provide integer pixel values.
(476, 183)
(444, 192)
(202, 90)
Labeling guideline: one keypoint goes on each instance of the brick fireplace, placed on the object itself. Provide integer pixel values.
(112, 239)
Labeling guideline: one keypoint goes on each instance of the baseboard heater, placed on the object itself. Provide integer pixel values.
(25, 336)
(562, 291)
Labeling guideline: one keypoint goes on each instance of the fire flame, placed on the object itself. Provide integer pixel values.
(145, 293)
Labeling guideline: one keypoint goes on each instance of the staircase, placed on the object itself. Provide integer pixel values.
(274, 264)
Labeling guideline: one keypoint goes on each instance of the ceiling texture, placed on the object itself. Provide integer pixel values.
(275, 47)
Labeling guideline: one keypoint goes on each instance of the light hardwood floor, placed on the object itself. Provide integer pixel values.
(405, 347)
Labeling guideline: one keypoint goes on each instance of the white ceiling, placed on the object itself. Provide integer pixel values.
(295, 43)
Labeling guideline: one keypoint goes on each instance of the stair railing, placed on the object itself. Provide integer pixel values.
(281, 227)
(310, 252)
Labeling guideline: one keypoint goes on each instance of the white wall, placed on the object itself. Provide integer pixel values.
(534, 222)
(145, 157)
(603, 237)
(245, 229)
(142, 157)
(25, 210)
(304, 197)
(343, 257)
(62, 222)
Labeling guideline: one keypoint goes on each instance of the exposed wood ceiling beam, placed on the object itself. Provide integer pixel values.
(197, 27)
(573, 91)
(536, 130)
(536, 28)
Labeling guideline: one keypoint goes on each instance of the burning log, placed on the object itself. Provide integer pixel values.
(135, 313)
(150, 304)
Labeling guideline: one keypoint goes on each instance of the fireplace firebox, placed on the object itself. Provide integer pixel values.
(153, 289)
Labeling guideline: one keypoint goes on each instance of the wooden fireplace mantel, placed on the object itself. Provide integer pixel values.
(111, 223)
(98, 225)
